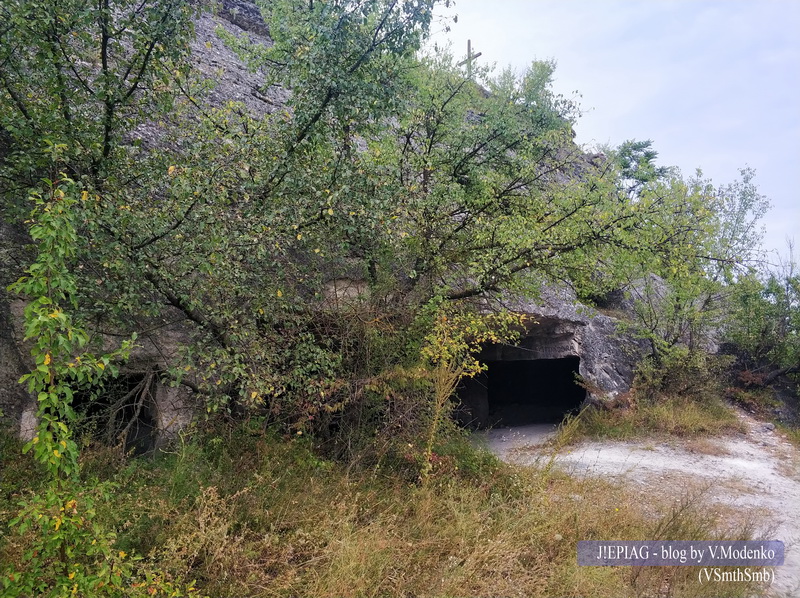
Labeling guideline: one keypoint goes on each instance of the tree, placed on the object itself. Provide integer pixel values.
(80, 75)
(765, 322)
(681, 292)
(636, 162)
(382, 167)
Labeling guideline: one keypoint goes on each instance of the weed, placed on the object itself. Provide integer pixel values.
(261, 515)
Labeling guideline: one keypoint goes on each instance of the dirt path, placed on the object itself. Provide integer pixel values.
(757, 473)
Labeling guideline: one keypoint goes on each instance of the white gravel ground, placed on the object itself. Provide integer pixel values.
(757, 473)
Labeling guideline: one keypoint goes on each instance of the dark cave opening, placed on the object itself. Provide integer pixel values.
(520, 392)
(120, 411)
(532, 392)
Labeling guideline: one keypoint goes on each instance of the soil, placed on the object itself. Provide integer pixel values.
(756, 474)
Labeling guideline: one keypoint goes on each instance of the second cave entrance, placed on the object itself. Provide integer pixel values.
(521, 392)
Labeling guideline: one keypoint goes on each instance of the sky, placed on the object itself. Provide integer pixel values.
(715, 84)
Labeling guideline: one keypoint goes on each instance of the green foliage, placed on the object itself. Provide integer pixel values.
(765, 326)
(67, 552)
(681, 372)
(333, 266)
(636, 163)
(383, 168)
(703, 240)
(79, 74)
(456, 337)
(51, 287)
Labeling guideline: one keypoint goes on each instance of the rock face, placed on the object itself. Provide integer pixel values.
(232, 80)
(245, 15)
(560, 328)
(13, 398)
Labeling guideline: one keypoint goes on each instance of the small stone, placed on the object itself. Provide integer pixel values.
(769, 427)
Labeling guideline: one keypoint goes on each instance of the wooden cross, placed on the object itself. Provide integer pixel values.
(469, 59)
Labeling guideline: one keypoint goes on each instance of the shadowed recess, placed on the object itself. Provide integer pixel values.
(531, 392)
(121, 413)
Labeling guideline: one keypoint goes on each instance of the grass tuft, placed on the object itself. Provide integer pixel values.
(674, 416)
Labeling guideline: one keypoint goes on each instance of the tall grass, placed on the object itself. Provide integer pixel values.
(674, 416)
(247, 513)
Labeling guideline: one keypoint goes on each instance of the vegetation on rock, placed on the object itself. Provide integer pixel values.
(435, 196)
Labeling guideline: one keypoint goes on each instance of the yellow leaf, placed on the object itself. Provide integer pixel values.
(279, 293)
(47, 359)
(84, 195)
(58, 522)
(55, 314)
(253, 395)
(330, 211)
(299, 236)
(56, 453)
(101, 365)
(171, 170)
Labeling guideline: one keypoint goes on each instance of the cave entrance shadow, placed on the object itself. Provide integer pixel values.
(513, 393)
(120, 410)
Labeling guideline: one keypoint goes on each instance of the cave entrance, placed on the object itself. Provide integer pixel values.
(514, 393)
(120, 412)
(540, 391)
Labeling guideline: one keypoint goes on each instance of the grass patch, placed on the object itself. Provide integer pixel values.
(763, 403)
(792, 433)
(758, 401)
(247, 513)
(673, 416)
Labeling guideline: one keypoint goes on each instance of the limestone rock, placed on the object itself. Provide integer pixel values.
(14, 400)
(560, 328)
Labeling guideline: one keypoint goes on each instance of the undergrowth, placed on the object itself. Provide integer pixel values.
(251, 513)
(764, 402)
(673, 416)
(680, 394)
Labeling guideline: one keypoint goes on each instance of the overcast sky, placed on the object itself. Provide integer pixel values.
(714, 83)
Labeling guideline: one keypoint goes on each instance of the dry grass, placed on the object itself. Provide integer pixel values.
(253, 515)
(705, 446)
(672, 416)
